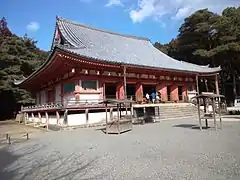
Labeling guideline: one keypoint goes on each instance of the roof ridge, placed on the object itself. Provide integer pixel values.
(101, 30)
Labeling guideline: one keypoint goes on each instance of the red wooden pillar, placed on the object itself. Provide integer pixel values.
(162, 88)
(139, 92)
(120, 91)
(174, 93)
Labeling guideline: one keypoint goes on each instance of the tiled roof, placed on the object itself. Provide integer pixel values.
(114, 47)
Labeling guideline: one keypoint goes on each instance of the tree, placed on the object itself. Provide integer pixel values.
(161, 47)
(206, 38)
(19, 57)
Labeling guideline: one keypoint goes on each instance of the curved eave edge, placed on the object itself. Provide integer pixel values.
(49, 58)
(211, 70)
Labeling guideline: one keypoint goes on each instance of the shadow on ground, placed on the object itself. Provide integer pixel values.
(190, 126)
(53, 166)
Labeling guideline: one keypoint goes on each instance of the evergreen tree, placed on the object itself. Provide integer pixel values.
(19, 57)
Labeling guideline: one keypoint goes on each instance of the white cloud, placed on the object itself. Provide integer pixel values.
(33, 26)
(177, 9)
(114, 3)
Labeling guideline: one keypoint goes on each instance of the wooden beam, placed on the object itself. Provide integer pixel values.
(205, 75)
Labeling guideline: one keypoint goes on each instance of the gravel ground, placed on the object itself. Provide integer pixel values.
(167, 150)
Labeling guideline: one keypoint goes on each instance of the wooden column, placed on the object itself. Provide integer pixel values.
(33, 118)
(214, 115)
(26, 119)
(118, 118)
(220, 112)
(205, 111)
(106, 118)
(58, 117)
(197, 84)
(86, 114)
(47, 119)
(216, 84)
(199, 115)
(40, 117)
(111, 114)
(125, 82)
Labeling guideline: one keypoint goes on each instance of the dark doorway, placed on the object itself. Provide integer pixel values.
(169, 93)
(180, 93)
(110, 90)
(131, 90)
(148, 89)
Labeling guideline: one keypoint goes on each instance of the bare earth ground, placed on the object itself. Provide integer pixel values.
(167, 150)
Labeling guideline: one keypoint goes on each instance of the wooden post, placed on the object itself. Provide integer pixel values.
(125, 82)
(33, 118)
(118, 118)
(220, 112)
(106, 118)
(159, 113)
(131, 106)
(58, 117)
(125, 87)
(9, 140)
(47, 119)
(205, 110)
(26, 118)
(86, 114)
(197, 84)
(199, 115)
(40, 117)
(111, 114)
(120, 115)
(27, 136)
(144, 115)
(216, 84)
(214, 115)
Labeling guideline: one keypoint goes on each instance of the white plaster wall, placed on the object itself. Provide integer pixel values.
(69, 99)
(43, 97)
(89, 97)
(96, 117)
(76, 119)
(58, 93)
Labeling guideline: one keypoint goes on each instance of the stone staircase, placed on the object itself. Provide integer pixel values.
(177, 110)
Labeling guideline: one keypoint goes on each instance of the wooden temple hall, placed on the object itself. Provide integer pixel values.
(87, 65)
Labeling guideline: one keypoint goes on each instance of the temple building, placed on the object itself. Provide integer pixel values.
(87, 65)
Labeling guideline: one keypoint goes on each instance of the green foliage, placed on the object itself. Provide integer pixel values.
(19, 57)
(208, 38)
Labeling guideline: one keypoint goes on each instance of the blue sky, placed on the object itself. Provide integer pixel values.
(158, 20)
